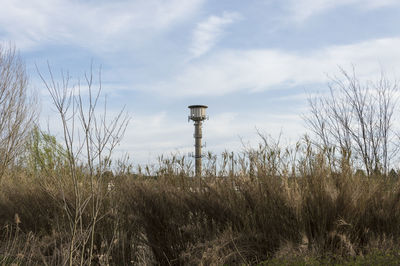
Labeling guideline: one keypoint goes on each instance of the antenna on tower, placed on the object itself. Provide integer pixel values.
(198, 115)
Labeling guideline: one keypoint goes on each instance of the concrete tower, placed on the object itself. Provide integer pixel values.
(198, 115)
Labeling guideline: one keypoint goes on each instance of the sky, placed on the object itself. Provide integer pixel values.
(254, 62)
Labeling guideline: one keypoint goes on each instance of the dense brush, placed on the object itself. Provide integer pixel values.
(248, 215)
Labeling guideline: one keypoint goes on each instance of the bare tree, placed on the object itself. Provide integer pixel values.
(17, 108)
(89, 139)
(354, 122)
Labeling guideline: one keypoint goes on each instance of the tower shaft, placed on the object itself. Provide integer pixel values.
(197, 155)
(197, 114)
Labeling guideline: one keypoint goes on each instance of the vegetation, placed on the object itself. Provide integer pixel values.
(17, 107)
(314, 216)
(309, 203)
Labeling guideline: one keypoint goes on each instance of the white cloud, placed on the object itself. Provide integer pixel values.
(208, 32)
(97, 25)
(300, 10)
(256, 70)
(150, 135)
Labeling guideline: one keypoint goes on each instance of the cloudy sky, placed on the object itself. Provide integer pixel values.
(252, 62)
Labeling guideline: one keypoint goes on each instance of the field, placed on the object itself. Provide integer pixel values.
(271, 209)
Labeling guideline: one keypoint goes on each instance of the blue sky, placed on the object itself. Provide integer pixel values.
(252, 62)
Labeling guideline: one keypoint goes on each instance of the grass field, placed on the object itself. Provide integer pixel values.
(272, 209)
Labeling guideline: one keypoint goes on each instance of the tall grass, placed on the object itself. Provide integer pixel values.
(265, 204)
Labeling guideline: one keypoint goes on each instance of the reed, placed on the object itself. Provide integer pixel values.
(275, 204)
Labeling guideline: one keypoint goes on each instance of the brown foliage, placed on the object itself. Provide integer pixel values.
(175, 219)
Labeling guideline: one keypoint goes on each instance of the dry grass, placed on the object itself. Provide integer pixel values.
(271, 214)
